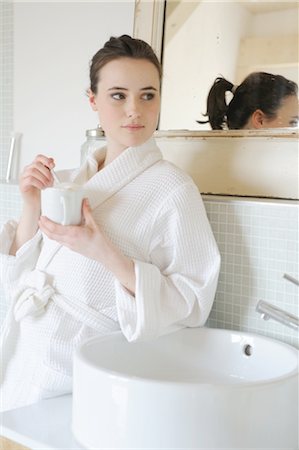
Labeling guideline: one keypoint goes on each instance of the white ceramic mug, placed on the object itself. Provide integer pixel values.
(63, 203)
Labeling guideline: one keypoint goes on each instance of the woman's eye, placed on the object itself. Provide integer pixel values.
(118, 96)
(148, 96)
(294, 123)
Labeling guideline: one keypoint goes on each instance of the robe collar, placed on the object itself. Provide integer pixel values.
(101, 185)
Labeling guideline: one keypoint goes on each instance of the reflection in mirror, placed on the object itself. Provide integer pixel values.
(204, 40)
(262, 100)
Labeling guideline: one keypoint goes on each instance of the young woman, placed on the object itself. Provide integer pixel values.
(262, 100)
(144, 259)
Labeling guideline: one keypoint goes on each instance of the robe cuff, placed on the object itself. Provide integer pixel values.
(11, 266)
(139, 316)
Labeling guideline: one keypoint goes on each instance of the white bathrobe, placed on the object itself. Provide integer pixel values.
(154, 214)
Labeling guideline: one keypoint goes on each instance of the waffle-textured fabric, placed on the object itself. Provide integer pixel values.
(152, 211)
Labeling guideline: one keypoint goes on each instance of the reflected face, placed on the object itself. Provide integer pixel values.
(127, 102)
(287, 114)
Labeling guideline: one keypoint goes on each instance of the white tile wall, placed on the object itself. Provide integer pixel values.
(258, 241)
(10, 208)
(6, 82)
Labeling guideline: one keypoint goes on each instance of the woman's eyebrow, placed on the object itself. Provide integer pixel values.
(147, 88)
(115, 88)
(152, 88)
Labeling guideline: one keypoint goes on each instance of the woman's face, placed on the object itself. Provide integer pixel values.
(127, 102)
(287, 114)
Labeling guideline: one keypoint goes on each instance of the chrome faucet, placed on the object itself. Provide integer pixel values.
(291, 279)
(269, 311)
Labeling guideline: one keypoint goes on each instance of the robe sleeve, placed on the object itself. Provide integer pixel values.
(12, 267)
(175, 288)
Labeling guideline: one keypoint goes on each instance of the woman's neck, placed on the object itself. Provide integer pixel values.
(113, 151)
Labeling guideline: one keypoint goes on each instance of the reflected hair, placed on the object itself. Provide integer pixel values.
(259, 90)
(121, 47)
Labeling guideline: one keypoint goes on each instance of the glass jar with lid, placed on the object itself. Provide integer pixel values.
(94, 139)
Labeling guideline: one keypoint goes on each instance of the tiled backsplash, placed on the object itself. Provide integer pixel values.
(10, 208)
(258, 242)
(6, 82)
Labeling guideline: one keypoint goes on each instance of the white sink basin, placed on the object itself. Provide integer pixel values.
(193, 389)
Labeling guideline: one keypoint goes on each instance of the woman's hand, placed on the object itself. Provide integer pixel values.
(36, 176)
(88, 240)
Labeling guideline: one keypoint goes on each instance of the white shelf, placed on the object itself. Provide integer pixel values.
(45, 425)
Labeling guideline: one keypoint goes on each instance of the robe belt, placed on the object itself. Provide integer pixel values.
(35, 292)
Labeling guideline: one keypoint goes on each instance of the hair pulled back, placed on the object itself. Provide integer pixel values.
(120, 47)
(259, 90)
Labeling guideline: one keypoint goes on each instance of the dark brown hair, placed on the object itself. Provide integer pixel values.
(121, 47)
(259, 90)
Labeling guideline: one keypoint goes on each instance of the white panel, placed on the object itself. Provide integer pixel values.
(53, 44)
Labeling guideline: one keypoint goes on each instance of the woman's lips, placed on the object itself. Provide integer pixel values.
(133, 127)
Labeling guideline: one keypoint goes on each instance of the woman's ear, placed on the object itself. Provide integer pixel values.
(258, 119)
(92, 100)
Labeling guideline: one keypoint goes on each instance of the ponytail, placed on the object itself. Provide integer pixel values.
(259, 90)
(216, 103)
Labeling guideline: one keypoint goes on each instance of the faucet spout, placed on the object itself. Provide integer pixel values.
(269, 311)
(291, 279)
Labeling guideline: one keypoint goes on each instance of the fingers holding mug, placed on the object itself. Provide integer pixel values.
(37, 174)
(62, 203)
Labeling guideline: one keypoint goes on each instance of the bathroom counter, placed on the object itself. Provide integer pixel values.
(46, 425)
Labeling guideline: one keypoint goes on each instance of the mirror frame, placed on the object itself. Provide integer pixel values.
(148, 25)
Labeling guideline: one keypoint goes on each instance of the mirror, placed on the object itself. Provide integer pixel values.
(206, 39)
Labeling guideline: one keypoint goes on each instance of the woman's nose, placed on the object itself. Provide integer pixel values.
(133, 109)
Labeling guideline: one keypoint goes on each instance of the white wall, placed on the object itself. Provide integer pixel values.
(205, 46)
(269, 23)
(202, 43)
(271, 45)
(53, 44)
